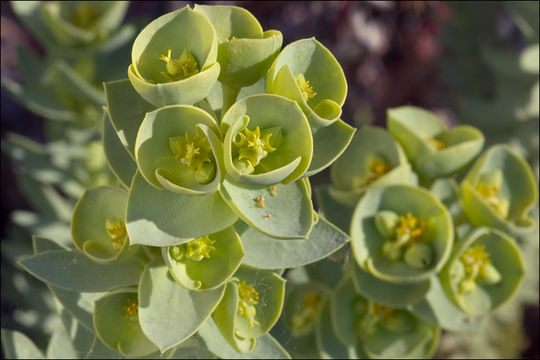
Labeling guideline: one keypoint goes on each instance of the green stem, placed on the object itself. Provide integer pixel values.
(230, 93)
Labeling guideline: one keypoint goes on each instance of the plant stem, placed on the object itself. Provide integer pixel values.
(230, 93)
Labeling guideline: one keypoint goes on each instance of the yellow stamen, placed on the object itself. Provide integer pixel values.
(437, 144)
(477, 264)
(252, 146)
(310, 306)
(491, 194)
(199, 248)
(305, 87)
(181, 68)
(131, 310)
(193, 152)
(117, 232)
(84, 16)
(248, 297)
(410, 228)
(377, 168)
(473, 259)
(272, 190)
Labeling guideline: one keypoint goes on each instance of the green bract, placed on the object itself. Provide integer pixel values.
(206, 262)
(373, 159)
(302, 305)
(82, 22)
(306, 72)
(433, 149)
(250, 307)
(401, 233)
(484, 271)
(98, 225)
(174, 59)
(116, 320)
(245, 52)
(177, 149)
(267, 141)
(379, 331)
(499, 191)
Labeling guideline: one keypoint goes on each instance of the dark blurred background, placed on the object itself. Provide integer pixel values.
(426, 54)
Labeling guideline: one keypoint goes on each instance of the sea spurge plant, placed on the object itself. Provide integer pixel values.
(174, 59)
(373, 159)
(206, 262)
(484, 271)
(205, 187)
(241, 316)
(82, 22)
(401, 233)
(116, 321)
(176, 149)
(305, 71)
(213, 138)
(267, 141)
(245, 51)
(372, 329)
(433, 150)
(98, 226)
(499, 191)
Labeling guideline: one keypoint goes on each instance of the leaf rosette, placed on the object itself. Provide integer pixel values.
(305, 71)
(116, 321)
(267, 141)
(379, 331)
(484, 271)
(82, 22)
(250, 307)
(178, 149)
(401, 234)
(206, 262)
(433, 150)
(174, 59)
(245, 52)
(499, 191)
(373, 159)
(98, 224)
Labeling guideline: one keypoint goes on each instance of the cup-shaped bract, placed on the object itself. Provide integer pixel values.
(206, 262)
(401, 233)
(433, 150)
(178, 149)
(116, 321)
(374, 329)
(245, 52)
(305, 71)
(76, 23)
(302, 305)
(174, 59)
(499, 191)
(373, 159)
(484, 271)
(98, 224)
(250, 307)
(267, 140)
